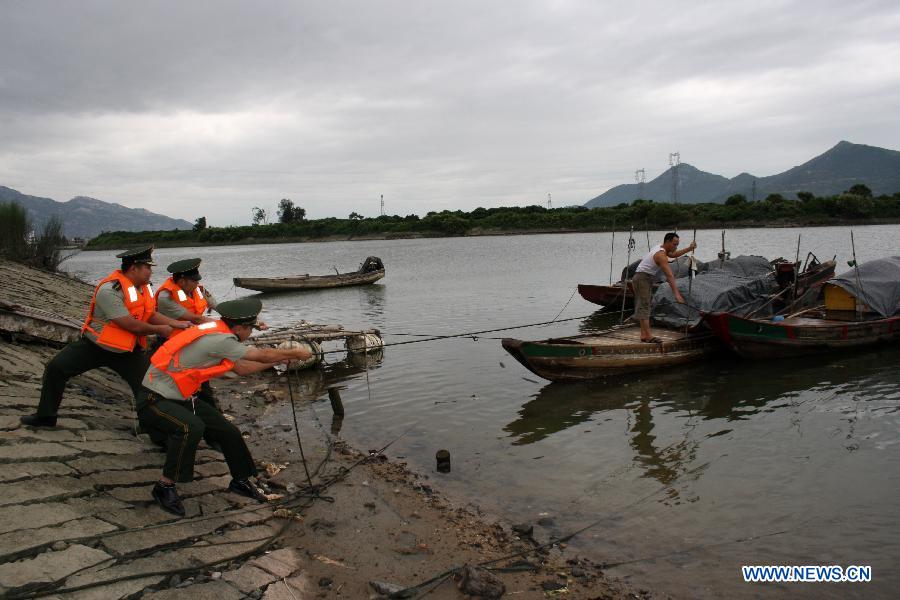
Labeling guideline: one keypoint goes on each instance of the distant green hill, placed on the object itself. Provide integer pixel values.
(87, 217)
(825, 175)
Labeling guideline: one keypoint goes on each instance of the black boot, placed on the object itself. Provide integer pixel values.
(168, 498)
(245, 487)
(36, 421)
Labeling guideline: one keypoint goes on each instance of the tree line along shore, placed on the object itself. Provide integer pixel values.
(855, 206)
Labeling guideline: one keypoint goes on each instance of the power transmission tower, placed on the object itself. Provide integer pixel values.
(382, 205)
(753, 191)
(549, 201)
(674, 161)
(640, 176)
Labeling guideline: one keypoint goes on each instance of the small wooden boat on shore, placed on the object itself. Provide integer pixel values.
(614, 351)
(371, 270)
(810, 333)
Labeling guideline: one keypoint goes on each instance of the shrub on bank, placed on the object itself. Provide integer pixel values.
(19, 242)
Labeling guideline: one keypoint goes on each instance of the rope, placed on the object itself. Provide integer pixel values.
(563, 308)
(297, 426)
(469, 334)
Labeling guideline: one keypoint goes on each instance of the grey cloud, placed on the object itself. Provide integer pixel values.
(210, 107)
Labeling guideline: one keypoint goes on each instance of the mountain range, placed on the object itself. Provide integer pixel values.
(86, 217)
(828, 174)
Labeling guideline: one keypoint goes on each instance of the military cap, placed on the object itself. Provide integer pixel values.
(142, 254)
(186, 268)
(243, 310)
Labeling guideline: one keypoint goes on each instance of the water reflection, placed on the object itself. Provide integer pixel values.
(663, 464)
(602, 319)
(709, 391)
(312, 384)
(371, 300)
(353, 365)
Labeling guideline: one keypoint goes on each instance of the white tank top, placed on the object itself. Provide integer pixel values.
(648, 265)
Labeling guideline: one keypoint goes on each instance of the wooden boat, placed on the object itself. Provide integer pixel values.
(371, 270)
(613, 351)
(810, 333)
(620, 350)
(609, 296)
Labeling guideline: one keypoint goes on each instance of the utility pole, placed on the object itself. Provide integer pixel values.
(549, 201)
(382, 205)
(640, 176)
(674, 161)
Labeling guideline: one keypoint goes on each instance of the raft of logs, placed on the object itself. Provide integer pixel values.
(312, 336)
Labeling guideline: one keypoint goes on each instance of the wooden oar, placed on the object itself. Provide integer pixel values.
(612, 250)
(625, 279)
(798, 313)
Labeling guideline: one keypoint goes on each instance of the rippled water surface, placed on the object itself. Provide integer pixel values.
(692, 472)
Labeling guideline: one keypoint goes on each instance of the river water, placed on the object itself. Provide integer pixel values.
(692, 472)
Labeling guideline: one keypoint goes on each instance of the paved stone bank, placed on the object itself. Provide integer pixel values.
(76, 510)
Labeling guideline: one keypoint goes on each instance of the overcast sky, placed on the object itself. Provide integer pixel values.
(211, 108)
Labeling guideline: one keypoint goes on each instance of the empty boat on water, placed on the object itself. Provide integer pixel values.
(613, 351)
(370, 271)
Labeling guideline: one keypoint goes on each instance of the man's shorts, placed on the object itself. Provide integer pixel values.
(643, 294)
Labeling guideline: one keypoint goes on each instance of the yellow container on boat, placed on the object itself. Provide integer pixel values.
(837, 298)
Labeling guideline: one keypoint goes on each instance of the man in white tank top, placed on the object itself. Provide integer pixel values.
(656, 260)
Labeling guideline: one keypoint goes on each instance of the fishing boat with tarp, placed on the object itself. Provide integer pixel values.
(370, 271)
(621, 293)
(746, 285)
(861, 308)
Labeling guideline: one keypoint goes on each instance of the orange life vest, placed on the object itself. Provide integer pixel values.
(195, 303)
(139, 306)
(168, 358)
